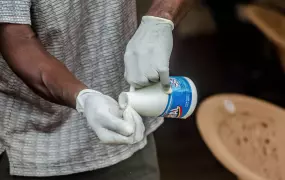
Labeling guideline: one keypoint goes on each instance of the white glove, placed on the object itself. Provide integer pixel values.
(148, 52)
(110, 124)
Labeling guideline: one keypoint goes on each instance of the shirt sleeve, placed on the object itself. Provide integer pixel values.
(15, 11)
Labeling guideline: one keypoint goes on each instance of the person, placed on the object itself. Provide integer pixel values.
(63, 65)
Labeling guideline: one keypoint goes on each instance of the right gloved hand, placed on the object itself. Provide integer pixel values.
(110, 124)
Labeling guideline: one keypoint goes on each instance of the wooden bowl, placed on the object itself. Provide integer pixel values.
(248, 138)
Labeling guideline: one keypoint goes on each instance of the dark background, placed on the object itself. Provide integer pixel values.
(236, 58)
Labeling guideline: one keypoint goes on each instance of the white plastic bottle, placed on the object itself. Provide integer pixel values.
(152, 101)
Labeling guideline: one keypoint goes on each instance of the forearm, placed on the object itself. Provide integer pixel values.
(173, 10)
(43, 73)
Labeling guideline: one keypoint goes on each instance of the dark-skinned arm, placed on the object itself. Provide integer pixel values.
(173, 10)
(39, 70)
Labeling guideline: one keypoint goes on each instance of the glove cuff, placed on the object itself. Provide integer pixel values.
(158, 20)
(80, 100)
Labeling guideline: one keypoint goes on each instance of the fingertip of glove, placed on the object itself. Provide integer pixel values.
(129, 129)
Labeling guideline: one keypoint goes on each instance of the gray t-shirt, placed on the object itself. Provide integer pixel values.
(89, 37)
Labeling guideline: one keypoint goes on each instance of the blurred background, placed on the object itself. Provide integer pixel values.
(222, 49)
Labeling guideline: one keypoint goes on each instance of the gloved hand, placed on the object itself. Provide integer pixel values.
(148, 52)
(110, 124)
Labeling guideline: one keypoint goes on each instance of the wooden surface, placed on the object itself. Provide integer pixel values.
(212, 115)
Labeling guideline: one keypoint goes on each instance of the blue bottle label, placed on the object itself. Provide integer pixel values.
(179, 101)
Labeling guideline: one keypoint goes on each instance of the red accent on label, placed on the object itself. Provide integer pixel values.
(175, 113)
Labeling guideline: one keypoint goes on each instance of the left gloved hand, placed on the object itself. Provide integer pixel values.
(106, 119)
(148, 53)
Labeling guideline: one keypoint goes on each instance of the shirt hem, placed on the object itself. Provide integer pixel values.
(2, 149)
(81, 166)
